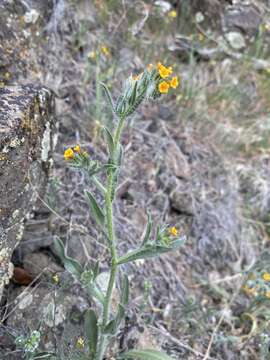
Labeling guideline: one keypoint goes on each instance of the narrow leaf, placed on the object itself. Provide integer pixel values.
(148, 229)
(149, 251)
(110, 328)
(59, 248)
(146, 354)
(109, 140)
(91, 330)
(109, 97)
(96, 210)
(71, 265)
(125, 291)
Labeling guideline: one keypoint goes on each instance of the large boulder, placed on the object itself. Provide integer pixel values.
(27, 138)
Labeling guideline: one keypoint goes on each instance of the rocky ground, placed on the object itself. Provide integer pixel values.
(198, 160)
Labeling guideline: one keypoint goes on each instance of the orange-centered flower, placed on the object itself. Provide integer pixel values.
(164, 72)
(77, 148)
(69, 154)
(173, 231)
(163, 87)
(174, 82)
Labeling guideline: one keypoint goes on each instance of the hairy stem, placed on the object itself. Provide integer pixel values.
(102, 344)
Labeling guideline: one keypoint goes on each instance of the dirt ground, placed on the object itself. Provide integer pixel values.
(198, 160)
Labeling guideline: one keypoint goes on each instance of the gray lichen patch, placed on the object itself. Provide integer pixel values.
(6, 268)
(27, 133)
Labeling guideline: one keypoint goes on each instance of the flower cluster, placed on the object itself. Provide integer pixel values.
(70, 153)
(164, 73)
(258, 284)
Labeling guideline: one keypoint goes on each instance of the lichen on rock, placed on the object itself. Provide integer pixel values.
(27, 132)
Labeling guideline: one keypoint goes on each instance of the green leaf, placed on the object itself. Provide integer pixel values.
(148, 229)
(96, 210)
(112, 326)
(125, 291)
(91, 330)
(146, 354)
(71, 265)
(109, 97)
(95, 292)
(96, 269)
(119, 155)
(133, 95)
(149, 251)
(109, 140)
(59, 248)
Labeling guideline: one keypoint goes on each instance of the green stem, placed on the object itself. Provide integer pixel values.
(102, 344)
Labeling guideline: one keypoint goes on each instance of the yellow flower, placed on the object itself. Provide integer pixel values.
(164, 72)
(80, 342)
(92, 55)
(172, 14)
(163, 87)
(173, 231)
(174, 82)
(105, 50)
(77, 148)
(69, 154)
(267, 294)
(55, 278)
(149, 67)
(266, 276)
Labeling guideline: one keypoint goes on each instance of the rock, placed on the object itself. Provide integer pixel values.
(27, 138)
(177, 162)
(182, 202)
(236, 40)
(243, 17)
(53, 313)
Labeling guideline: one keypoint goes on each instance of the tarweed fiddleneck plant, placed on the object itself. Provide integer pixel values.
(99, 330)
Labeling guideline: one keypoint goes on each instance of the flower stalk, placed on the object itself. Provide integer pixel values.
(149, 85)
